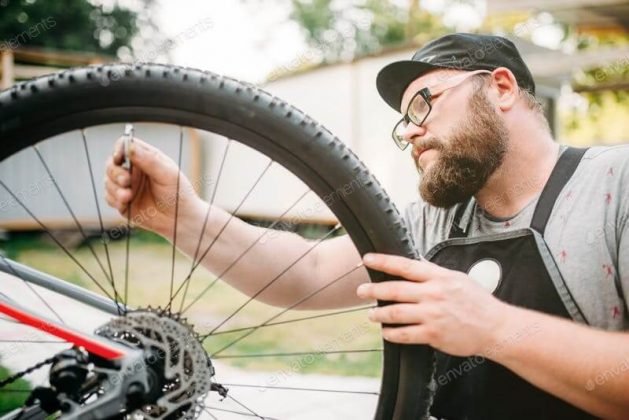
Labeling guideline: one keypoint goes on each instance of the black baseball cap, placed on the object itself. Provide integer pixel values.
(460, 51)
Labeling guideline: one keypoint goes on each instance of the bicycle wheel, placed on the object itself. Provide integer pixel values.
(78, 102)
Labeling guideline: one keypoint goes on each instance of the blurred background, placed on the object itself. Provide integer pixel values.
(323, 55)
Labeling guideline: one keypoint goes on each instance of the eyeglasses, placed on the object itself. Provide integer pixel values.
(420, 105)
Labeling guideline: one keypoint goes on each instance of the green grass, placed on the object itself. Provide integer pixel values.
(26, 241)
(146, 237)
(12, 397)
(319, 339)
(149, 283)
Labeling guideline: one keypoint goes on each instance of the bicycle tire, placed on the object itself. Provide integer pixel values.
(40, 108)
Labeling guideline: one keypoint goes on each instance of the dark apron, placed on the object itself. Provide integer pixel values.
(475, 388)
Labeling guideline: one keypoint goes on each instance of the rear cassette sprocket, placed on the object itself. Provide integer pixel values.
(180, 370)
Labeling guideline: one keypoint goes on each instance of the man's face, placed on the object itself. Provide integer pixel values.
(461, 143)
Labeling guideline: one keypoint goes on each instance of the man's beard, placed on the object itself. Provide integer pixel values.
(467, 159)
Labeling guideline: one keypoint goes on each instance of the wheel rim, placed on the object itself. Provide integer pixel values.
(363, 241)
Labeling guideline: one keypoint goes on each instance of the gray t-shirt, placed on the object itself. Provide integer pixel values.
(587, 233)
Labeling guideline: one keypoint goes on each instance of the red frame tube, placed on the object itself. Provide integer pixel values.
(92, 344)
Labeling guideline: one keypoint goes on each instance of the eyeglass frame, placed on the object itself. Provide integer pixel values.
(427, 95)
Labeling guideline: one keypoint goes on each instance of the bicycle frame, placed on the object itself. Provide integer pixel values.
(93, 344)
(128, 364)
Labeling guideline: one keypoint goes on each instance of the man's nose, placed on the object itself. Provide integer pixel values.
(412, 131)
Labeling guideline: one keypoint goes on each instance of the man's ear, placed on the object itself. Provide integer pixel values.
(506, 90)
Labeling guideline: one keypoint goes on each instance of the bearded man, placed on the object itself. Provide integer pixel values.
(525, 277)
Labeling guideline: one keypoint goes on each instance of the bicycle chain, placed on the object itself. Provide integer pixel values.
(11, 379)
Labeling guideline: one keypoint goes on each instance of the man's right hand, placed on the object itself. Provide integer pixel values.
(151, 187)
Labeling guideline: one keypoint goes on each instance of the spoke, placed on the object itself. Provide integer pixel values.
(225, 410)
(257, 181)
(220, 232)
(59, 244)
(209, 209)
(304, 353)
(299, 302)
(73, 215)
(127, 248)
(100, 217)
(328, 314)
(288, 388)
(31, 288)
(174, 253)
(276, 278)
(126, 258)
(245, 407)
(202, 233)
(13, 321)
(211, 415)
(250, 247)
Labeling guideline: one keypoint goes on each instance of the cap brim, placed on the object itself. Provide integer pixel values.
(394, 78)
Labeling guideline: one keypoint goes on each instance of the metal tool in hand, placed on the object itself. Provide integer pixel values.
(126, 146)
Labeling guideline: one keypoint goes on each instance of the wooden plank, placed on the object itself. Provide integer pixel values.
(119, 223)
(24, 224)
(6, 65)
(59, 58)
(23, 72)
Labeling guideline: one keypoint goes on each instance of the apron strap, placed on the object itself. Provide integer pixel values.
(563, 170)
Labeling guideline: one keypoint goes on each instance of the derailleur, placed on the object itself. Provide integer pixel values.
(85, 386)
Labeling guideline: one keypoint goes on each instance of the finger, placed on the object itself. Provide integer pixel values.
(114, 190)
(411, 334)
(153, 162)
(398, 291)
(118, 174)
(118, 155)
(401, 313)
(124, 195)
(406, 268)
(109, 199)
(120, 207)
(120, 197)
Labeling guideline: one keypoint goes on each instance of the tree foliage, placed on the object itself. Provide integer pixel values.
(76, 25)
(346, 29)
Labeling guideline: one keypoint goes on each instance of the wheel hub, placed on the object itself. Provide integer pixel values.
(179, 369)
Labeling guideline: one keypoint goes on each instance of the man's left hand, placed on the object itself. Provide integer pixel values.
(443, 308)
